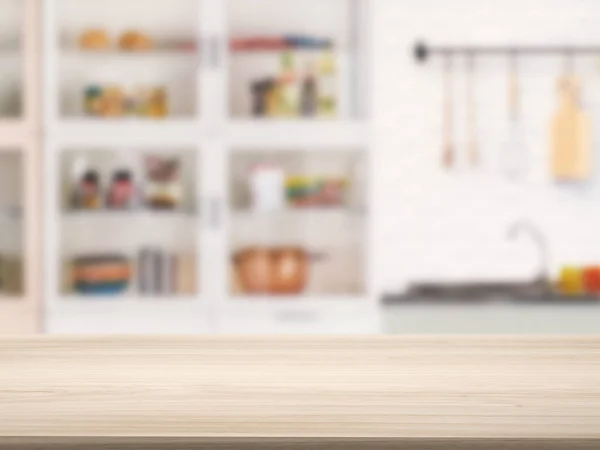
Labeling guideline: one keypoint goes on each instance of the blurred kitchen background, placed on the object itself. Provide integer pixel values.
(338, 166)
(440, 225)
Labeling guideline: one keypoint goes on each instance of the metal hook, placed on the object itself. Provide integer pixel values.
(421, 51)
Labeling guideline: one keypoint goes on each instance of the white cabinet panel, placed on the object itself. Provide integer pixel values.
(20, 230)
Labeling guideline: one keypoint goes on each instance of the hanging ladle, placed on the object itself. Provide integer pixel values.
(473, 150)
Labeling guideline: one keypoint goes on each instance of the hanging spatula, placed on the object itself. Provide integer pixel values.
(448, 151)
(473, 148)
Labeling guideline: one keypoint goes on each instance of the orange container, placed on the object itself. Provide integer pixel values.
(591, 280)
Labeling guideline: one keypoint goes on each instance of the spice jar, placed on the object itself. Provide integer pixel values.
(87, 191)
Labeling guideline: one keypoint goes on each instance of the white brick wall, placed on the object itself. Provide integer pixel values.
(435, 224)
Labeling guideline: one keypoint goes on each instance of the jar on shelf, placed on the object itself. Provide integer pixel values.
(267, 187)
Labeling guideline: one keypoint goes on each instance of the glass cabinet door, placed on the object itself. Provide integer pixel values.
(291, 60)
(128, 224)
(297, 224)
(127, 59)
(11, 59)
(12, 225)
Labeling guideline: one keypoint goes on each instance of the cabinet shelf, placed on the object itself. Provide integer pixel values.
(128, 299)
(132, 214)
(301, 213)
(173, 55)
(274, 52)
(129, 131)
(242, 135)
(298, 134)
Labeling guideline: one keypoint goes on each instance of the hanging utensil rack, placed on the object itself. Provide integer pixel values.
(423, 51)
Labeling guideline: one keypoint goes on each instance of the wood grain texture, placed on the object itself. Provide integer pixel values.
(293, 444)
(357, 387)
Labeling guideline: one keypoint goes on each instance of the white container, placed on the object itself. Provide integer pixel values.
(267, 188)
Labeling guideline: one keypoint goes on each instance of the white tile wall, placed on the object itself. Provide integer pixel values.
(453, 225)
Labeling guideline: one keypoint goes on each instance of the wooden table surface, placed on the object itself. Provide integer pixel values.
(357, 387)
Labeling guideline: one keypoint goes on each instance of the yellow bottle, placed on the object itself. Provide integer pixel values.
(571, 281)
(327, 90)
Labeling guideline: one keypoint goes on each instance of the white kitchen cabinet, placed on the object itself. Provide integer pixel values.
(500, 318)
(192, 95)
(19, 68)
(20, 230)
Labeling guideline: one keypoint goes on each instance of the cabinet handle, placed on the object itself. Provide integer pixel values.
(297, 316)
(214, 52)
(214, 213)
(208, 56)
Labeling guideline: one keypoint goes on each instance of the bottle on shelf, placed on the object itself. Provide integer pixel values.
(146, 272)
(164, 185)
(309, 99)
(163, 273)
(327, 86)
(87, 191)
(289, 86)
(185, 273)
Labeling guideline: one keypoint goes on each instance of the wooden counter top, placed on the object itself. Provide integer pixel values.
(357, 387)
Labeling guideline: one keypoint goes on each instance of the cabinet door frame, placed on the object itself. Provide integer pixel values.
(115, 316)
(361, 17)
(22, 315)
(270, 315)
(28, 124)
(308, 314)
(189, 315)
(65, 316)
(186, 128)
(214, 66)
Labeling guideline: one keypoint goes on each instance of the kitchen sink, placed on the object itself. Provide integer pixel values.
(538, 291)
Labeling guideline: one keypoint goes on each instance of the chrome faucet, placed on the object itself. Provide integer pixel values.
(529, 228)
